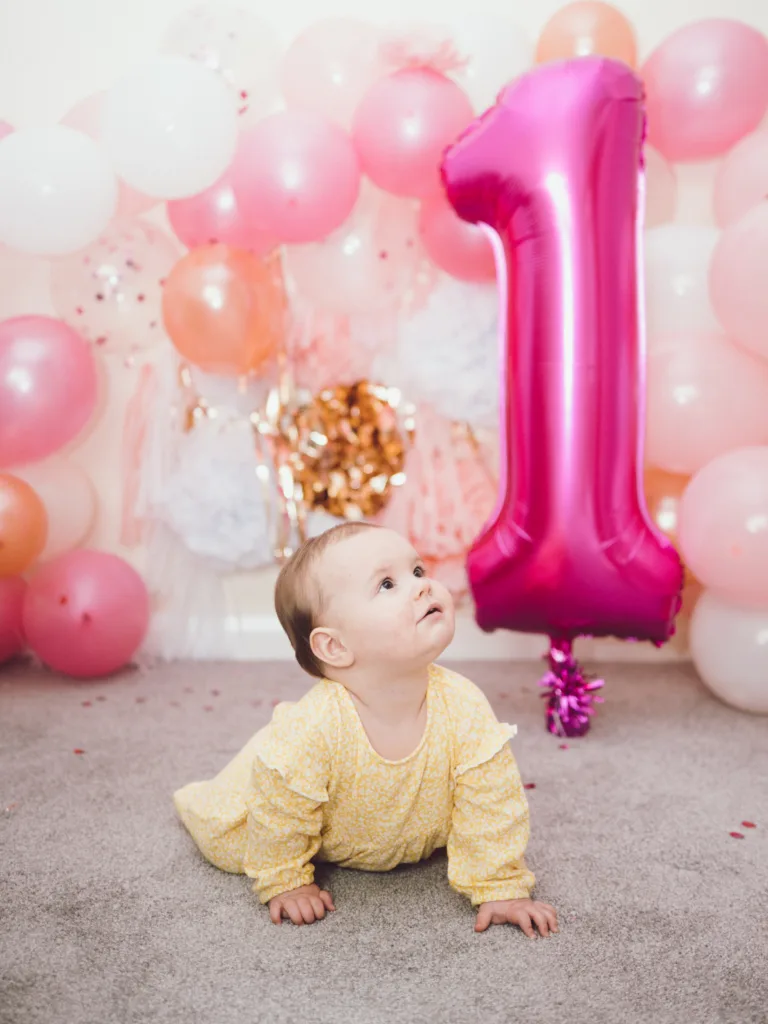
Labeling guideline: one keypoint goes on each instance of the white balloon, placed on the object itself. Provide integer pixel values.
(496, 51)
(729, 647)
(677, 258)
(58, 190)
(170, 127)
(69, 497)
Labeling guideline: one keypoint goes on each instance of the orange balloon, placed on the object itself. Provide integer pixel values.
(224, 309)
(587, 27)
(663, 492)
(23, 525)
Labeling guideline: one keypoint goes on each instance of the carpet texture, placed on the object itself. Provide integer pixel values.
(109, 913)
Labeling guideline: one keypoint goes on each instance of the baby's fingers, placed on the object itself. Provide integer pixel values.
(327, 899)
(292, 910)
(318, 907)
(484, 918)
(540, 917)
(523, 918)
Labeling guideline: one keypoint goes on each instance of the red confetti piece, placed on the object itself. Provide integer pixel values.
(215, 693)
(86, 703)
(77, 750)
(208, 707)
(530, 785)
(749, 824)
(141, 700)
(188, 689)
(563, 746)
(503, 695)
(275, 702)
(736, 835)
(101, 698)
(175, 704)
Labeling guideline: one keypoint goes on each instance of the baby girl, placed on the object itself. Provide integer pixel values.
(386, 759)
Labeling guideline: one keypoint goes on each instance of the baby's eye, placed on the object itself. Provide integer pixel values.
(419, 571)
(387, 583)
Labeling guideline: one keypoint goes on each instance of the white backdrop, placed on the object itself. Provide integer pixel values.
(55, 52)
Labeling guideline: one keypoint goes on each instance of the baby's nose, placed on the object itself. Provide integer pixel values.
(422, 586)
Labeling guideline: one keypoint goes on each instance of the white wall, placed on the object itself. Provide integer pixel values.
(55, 52)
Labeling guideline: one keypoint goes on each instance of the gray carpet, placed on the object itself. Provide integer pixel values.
(109, 913)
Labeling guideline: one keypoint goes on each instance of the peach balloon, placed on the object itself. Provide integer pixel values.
(723, 525)
(223, 309)
(462, 249)
(69, 497)
(705, 397)
(737, 280)
(706, 88)
(660, 189)
(12, 642)
(85, 117)
(23, 525)
(662, 496)
(742, 178)
(584, 28)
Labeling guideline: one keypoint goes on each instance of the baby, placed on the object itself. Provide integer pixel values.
(386, 759)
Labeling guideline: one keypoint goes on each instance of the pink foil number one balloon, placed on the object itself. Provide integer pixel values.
(554, 170)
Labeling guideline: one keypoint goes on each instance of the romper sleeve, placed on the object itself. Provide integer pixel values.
(285, 804)
(490, 824)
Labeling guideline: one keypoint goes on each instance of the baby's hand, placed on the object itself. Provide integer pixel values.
(304, 905)
(522, 912)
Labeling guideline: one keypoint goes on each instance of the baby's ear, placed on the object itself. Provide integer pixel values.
(328, 647)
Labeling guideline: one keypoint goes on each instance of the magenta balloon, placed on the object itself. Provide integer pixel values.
(48, 387)
(214, 216)
(12, 642)
(296, 176)
(86, 613)
(707, 87)
(553, 169)
(402, 126)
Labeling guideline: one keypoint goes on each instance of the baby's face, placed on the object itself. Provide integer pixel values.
(379, 599)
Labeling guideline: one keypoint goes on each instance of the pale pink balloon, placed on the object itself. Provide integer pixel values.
(86, 613)
(85, 117)
(660, 189)
(723, 525)
(706, 88)
(742, 178)
(737, 280)
(368, 265)
(462, 249)
(296, 176)
(48, 387)
(215, 216)
(705, 397)
(728, 648)
(404, 124)
(6, 129)
(69, 497)
(12, 642)
(111, 291)
(330, 66)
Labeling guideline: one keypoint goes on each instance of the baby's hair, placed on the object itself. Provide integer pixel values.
(298, 596)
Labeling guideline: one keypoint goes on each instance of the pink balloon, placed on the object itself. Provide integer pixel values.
(461, 249)
(214, 216)
(6, 129)
(707, 87)
(737, 280)
(296, 176)
(722, 525)
(48, 387)
(12, 642)
(330, 66)
(85, 117)
(403, 125)
(705, 397)
(570, 549)
(661, 189)
(742, 178)
(69, 497)
(86, 613)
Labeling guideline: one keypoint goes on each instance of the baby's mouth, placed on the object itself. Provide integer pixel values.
(434, 609)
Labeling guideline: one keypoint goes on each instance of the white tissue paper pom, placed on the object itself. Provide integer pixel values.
(218, 497)
(447, 353)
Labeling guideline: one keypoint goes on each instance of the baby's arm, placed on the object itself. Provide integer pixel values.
(283, 830)
(486, 846)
